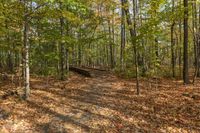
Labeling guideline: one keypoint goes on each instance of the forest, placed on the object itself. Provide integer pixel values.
(99, 66)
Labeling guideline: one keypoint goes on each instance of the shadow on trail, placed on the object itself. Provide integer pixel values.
(62, 117)
(105, 98)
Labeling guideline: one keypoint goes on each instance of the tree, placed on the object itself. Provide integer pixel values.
(26, 52)
(60, 33)
(62, 49)
(26, 47)
(133, 35)
(123, 36)
(185, 45)
(173, 43)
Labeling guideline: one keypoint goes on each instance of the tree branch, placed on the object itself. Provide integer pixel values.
(38, 7)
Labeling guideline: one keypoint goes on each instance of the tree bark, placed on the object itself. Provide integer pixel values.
(185, 45)
(26, 56)
(133, 34)
(173, 43)
(111, 45)
(67, 62)
(123, 37)
(61, 46)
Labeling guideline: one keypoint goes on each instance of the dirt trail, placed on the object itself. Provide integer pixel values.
(104, 103)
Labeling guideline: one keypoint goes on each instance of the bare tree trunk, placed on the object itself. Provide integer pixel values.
(198, 46)
(173, 44)
(111, 45)
(123, 37)
(79, 52)
(61, 46)
(133, 34)
(195, 39)
(113, 38)
(67, 62)
(26, 56)
(180, 49)
(185, 45)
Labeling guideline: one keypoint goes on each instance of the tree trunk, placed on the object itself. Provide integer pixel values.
(195, 39)
(198, 47)
(123, 37)
(133, 34)
(61, 46)
(179, 48)
(113, 38)
(111, 45)
(185, 45)
(26, 57)
(173, 44)
(67, 62)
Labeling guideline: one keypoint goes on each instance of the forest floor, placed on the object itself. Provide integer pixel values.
(105, 103)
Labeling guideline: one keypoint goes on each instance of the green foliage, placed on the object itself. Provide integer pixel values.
(90, 30)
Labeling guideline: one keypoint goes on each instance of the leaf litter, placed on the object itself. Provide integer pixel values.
(105, 103)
